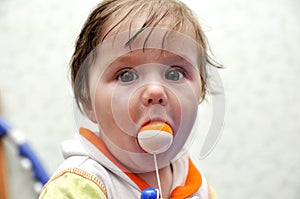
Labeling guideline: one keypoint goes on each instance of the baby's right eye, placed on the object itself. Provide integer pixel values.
(127, 76)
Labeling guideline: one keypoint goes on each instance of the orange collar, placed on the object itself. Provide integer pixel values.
(192, 183)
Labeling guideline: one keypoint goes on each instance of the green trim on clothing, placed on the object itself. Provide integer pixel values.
(72, 186)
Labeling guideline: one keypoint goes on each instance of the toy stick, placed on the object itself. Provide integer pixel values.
(157, 174)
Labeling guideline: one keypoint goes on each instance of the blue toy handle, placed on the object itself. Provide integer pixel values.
(39, 173)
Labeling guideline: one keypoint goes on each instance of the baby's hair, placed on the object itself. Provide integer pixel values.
(113, 13)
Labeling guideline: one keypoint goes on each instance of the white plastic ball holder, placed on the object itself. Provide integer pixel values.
(113, 48)
(155, 138)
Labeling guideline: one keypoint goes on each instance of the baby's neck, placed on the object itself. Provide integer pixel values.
(166, 178)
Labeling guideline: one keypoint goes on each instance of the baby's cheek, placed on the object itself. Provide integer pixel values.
(134, 108)
(124, 111)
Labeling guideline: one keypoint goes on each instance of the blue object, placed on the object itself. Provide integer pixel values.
(4, 127)
(39, 172)
(150, 193)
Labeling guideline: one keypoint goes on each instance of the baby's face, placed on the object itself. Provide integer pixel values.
(130, 88)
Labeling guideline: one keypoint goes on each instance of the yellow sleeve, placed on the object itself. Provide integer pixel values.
(72, 186)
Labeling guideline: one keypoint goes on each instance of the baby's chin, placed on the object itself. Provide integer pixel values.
(142, 162)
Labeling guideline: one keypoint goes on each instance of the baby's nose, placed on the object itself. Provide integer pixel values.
(154, 94)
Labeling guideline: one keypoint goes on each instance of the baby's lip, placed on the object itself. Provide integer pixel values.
(156, 120)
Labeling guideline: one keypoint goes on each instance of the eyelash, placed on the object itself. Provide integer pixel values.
(179, 69)
(120, 72)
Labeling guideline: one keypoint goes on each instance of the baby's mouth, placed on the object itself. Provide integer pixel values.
(155, 137)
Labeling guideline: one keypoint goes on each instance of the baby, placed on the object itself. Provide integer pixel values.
(139, 74)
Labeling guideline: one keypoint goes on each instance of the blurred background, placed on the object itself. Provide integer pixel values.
(258, 42)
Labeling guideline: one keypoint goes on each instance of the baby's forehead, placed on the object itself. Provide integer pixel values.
(140, 23)
(149, 56)
(162, 39)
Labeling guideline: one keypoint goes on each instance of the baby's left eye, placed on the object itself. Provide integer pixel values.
(127, 76)
(175, 74)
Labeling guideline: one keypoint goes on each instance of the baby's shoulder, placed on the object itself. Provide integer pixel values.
(74, 177)
(74, 183)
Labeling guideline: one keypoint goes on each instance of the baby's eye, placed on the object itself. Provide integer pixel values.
(127, 76)
(174, 74)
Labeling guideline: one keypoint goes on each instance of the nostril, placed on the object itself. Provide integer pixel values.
(159, 101)
(154, 94)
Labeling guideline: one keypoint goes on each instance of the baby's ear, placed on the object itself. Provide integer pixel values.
(89, 111)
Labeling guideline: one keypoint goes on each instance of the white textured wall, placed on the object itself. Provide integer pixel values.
(258, 43)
